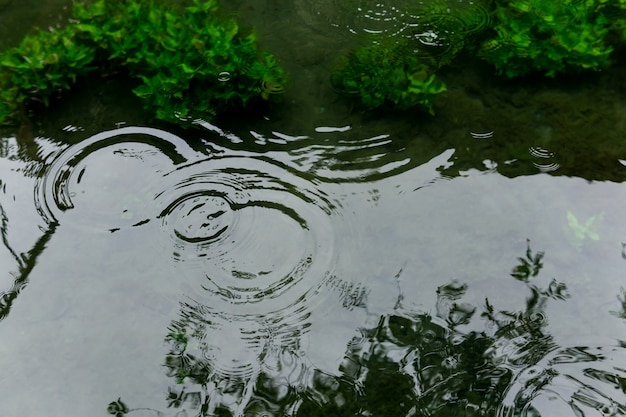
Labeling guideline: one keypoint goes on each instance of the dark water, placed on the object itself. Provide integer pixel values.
(311, 259)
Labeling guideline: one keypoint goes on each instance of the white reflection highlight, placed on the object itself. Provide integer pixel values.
(331, 129)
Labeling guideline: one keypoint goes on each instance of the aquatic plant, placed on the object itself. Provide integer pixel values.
(41, 65)
(191, 62)
(552, 37)
(387, 74)
(578, 232)
(446, 27)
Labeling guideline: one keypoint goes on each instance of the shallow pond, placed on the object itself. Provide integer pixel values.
(315, 260)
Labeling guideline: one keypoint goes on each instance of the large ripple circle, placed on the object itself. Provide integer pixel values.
(249, 241)
(107, 182)
(240, 228)
(247, 229)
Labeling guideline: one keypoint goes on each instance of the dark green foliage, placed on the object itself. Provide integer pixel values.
(191, 63)
(40, 66)
(552, 36)
(382, 74)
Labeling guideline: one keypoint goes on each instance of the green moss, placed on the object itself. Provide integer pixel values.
(552, 36)
(190, 62)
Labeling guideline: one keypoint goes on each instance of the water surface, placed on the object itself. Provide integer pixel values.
(313, 259)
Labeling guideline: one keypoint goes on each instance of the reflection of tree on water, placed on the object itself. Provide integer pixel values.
(622, 300)
(411, 364)
(25, 264)
(265, 375)
(22, 148)
(417, 366)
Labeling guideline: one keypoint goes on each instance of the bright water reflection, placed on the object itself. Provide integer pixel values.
(215, 209)
(198, 277)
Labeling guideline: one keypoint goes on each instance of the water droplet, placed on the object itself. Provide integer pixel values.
(224, 76)
(482, 135)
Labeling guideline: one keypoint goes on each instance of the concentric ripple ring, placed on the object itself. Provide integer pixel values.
(247, 229)
(107, 181)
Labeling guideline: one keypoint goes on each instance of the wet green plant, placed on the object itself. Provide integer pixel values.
(191, 62)
(40, 66)
(389, 73)
(552, 37)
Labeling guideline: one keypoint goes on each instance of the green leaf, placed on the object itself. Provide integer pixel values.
(91, 29)
(188, 70)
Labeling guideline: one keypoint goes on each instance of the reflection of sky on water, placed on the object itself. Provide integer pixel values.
(115, 279)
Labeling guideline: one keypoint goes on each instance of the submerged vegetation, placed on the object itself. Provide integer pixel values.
(191, 62)
(517, 37)
(379, 74)
(552, 37)
(579, 232)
